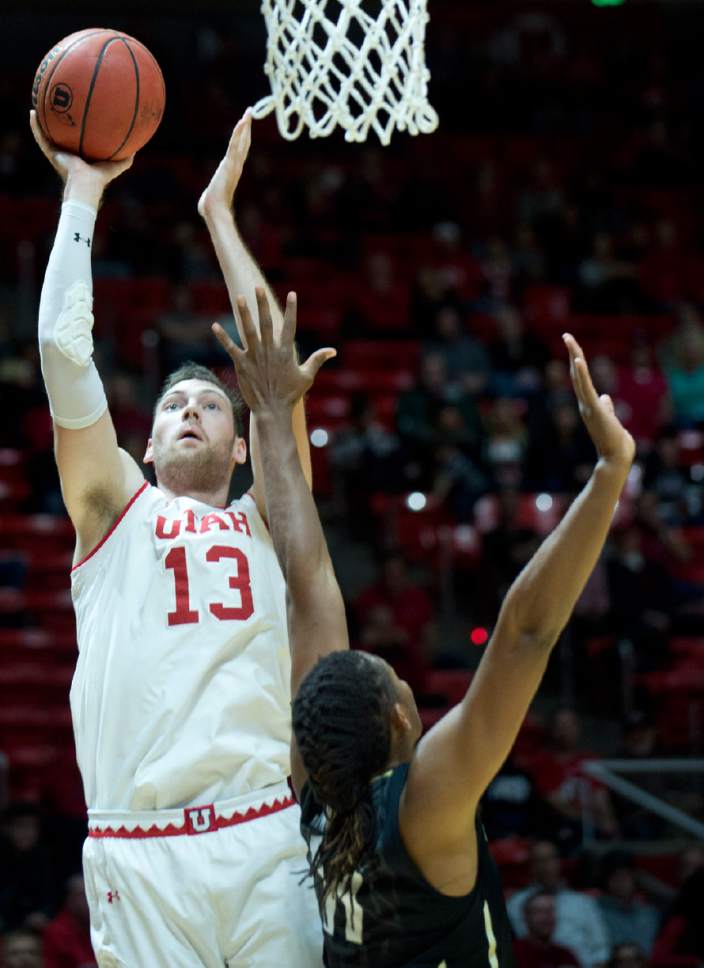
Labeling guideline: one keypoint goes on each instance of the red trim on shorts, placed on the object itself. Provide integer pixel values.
(106, 536)
(218, 823)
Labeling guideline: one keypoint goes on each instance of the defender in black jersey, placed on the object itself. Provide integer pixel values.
(399, 861)
(400, 918)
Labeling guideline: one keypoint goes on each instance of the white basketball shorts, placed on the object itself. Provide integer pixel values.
(218, 885)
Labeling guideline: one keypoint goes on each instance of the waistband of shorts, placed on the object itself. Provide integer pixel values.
(191, 821)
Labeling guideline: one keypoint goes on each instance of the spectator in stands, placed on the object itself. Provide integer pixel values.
(67, 937)
(4, 780)
(627, 955)
(562, 782)
(684, 370)
(27, 890)
(406, 598)
(507, 547)
(517, 355)
(642, 597)
(382, 635)
(365, 458)
(641, 394)
(609, 283)
(22, 949)
(458, 479)
(511, 806)
(579, 925)
(419, 409)
(627, 918)
(184, 332)
(498, 272)
(680, 943)
(640, 742)
(559, 452)
(466, 359)
(666, 479)
(505, 441)
(537, 949)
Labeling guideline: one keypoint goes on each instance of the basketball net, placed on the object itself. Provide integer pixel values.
(332, 64)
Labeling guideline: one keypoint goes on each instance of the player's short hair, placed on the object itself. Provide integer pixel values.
(195, 371)
(342, 725)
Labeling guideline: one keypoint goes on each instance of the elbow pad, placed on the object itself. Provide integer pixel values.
(76, 394)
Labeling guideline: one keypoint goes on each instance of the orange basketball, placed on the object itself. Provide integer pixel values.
(99, 94)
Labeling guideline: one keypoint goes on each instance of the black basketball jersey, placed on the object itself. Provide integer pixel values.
(392, 917)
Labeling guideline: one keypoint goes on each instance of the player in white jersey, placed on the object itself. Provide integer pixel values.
(181, 697)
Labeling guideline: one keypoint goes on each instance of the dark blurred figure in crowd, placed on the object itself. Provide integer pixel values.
(666, 479)
(517, 355)
(627, 917)
(559, 452)
(684, 370)
(396, 611)
(365, 459)
(627, 955)
(571, 794)
(507, 548)
(64, 806)
(27, 889)
(466, 359)
(67, 937)
(537, 949)
(419, 409)
(642, 598)
(22, 949)
(680, 943)
(640, 743)
(511, 806)
(579, 925)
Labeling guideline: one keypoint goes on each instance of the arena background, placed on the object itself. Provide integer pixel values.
(562, 191)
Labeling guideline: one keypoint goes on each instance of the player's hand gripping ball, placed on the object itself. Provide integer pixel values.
(99, 94)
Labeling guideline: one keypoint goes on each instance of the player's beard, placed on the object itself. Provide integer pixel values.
(202, 470)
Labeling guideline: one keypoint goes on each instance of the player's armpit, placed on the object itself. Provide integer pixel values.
(458, 758)
(97, 479)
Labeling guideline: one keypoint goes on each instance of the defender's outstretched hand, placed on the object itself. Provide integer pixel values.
(220, 192)
(68, 166)
(611, 439)
(270, 377)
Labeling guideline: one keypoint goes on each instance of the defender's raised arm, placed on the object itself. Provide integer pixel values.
(272, 384)
(97, 478)
(459, 757)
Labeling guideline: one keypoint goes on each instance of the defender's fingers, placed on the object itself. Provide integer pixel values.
(288, 331)
(316, 360)
(226, 341)
(266, 326)
(249, 330)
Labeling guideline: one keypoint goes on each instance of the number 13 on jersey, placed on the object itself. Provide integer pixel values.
(187, 611)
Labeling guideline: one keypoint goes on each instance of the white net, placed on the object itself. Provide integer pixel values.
(356, 64)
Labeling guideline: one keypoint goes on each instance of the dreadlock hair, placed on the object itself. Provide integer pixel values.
(341, 721)
(194, 371)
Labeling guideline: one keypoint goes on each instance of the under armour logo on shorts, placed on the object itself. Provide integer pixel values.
(113, 896)
(77, 237)
(199, 820)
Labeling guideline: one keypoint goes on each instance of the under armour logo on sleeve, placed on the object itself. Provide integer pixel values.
(77, 237)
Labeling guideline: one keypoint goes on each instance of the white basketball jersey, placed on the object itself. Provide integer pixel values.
(181, 694)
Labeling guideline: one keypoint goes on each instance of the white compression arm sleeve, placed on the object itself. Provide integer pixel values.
(76, 395)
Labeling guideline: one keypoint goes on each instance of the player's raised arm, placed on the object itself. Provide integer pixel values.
(457, 759)
(272, 384)
(242, 275)
(97, 479)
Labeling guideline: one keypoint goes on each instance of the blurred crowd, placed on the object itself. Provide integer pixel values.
(562, 192)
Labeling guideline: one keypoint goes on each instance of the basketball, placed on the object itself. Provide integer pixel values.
(99, 94)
